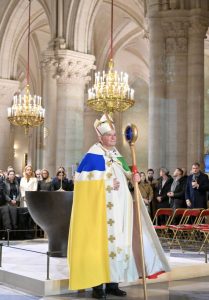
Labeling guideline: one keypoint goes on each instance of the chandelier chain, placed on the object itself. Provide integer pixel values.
(111, 37)
(111, 91)
(26, 110)
(29, 21)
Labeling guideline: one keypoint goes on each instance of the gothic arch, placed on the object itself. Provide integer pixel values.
(79, 24)
(15, 33)
(47, 12)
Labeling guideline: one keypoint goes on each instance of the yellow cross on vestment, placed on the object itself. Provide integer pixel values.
(109, 189)
(109, 205)
(111, 238)
(90, 175)
(112, 255)
(109, 175)
(110, 222)
(109, 163)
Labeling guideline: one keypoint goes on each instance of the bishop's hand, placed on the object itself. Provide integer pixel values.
(116, 184)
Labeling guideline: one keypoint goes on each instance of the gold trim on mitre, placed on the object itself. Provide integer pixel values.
(104, 125)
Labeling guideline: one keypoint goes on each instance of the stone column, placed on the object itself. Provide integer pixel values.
(175, 105)
(50, 104)
(89, 118)
(71, 72)
(156, 142)
(7, 90)
(195, 104)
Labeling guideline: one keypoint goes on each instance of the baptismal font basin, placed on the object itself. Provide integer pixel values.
(52, 211)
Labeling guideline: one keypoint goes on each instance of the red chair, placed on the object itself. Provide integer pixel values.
(177, 215)
(202, 228)
(162, 230)
(183, 232)
(205, 232)
(203, 221)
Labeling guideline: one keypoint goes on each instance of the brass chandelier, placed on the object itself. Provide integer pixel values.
(111, 91)
(26, 110)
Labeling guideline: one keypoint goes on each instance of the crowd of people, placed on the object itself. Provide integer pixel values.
(177, 191)
(13, 188)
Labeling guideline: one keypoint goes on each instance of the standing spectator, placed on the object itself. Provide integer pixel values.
(17, 177)
(163, 187)
(27, 183)
(177, 190)
(196, 188)
(60, 182)
(150, 176)
(46, 183)
(6, 222)
(62, 169)
(12, 193)
(153, 182)
(146, 190)
(38, 174)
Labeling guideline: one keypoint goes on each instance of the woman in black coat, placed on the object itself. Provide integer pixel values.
(60, 182)
(46, 183)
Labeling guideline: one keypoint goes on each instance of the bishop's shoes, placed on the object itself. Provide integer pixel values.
(101, 294)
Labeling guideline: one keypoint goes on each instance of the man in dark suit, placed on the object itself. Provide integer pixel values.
(163, 187)
(177, 191)
(196, 188)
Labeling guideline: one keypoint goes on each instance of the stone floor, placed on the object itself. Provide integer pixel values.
(193, 289)
(33, 266)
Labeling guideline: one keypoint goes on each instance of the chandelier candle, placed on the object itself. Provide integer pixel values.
(110, 91)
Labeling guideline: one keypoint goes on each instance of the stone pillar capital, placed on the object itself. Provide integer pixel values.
(175, 28)
(68, 66)
(198, 28)
(72, 66)
(176, 36)
(48, 62)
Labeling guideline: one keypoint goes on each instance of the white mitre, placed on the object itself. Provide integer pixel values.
(104, 125)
